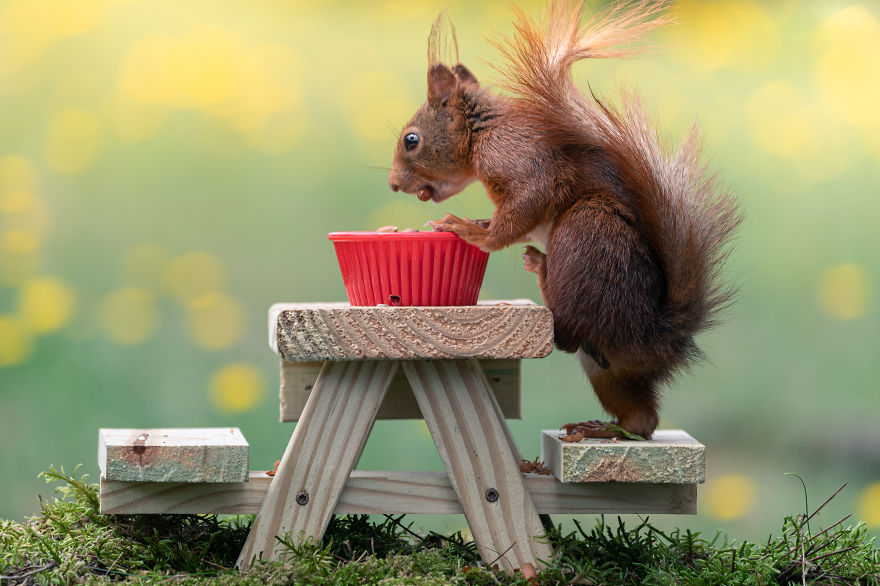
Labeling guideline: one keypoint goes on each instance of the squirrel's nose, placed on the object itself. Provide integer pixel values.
(393, 175)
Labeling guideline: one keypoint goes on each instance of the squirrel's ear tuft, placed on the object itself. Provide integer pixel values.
(441, 84)
(464, 75)
(442, 42)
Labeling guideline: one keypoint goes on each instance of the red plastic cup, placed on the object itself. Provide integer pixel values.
(409, 268)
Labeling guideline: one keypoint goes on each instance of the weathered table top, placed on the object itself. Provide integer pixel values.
(300, 332)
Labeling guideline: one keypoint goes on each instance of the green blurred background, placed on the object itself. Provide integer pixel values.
(170, 169)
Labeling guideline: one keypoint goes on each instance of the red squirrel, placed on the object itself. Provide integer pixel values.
(634, 234)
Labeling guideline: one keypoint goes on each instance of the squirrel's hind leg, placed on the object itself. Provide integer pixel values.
(629, 395)
(535, 261)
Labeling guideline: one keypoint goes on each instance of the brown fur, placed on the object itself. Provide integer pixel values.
(631, 265)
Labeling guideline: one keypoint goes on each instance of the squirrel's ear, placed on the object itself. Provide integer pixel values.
(441, 84)
(464, 75)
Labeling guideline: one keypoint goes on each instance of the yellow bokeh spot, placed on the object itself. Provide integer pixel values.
(778, 120)
(869, 505)
(846, 70)
(15, 201)
(192, 275)
(15, 343)
(20, 241)
(739, 34)
(213, 70)
(24, 219)
(465, 533)
(844, 292)
(129, 316)
(28, 28)
(18, 181)
(236, 388)
(73, 141)
(266, 88)
(729, 497)
(215, 321)
(45, 304)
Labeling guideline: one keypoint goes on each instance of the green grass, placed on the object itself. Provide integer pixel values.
(70, 541)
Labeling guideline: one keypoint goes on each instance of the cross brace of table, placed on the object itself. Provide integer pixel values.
(467, 427)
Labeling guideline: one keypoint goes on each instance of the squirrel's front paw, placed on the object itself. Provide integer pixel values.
(467, 229)
(447, 224)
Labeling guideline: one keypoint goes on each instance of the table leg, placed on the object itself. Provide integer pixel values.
(324, 448)
(481, 459)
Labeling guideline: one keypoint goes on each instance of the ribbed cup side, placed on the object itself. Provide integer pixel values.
(418, 271)
(465, 278)
(348, 267)
(478, 262)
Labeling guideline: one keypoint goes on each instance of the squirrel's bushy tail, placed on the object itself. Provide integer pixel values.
(539, 61)
(683, 214)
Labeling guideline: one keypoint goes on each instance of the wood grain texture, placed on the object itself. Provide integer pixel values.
(396, 492)
(155, 498)
(476, 449)
(323, 450)
(552, 496)
(173, 454)
(672, 456)
(302, 332)
(298, 379)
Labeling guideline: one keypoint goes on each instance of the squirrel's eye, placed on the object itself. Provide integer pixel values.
(411, 141)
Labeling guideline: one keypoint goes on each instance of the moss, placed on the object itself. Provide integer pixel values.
(69, 541)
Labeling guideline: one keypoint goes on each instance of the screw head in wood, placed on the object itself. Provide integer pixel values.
(302, 498)
(491, 495)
